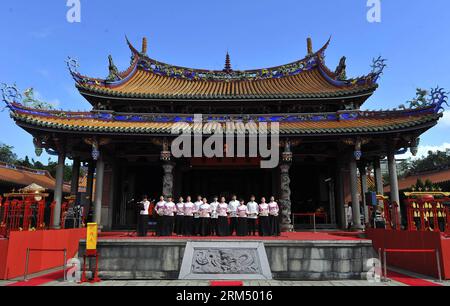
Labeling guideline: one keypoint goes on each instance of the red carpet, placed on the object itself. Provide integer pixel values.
(410, 281)
(297, 236)
(41, 280)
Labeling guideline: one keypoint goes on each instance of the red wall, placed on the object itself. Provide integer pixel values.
(420, 263)
(12, 261)
(3, 255)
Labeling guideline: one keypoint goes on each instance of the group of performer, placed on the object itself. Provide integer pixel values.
(217, 218)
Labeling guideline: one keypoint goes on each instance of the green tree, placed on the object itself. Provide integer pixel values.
(25, 163)
(7, 155)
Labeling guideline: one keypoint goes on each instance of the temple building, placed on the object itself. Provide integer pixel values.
(325, 137)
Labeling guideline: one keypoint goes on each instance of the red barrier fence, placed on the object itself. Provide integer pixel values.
(26, 212)
(428, 213)
(384, 262)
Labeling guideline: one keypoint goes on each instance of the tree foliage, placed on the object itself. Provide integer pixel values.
(435, 161)
(8, 156)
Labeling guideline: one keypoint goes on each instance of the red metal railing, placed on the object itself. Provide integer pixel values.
(390, 214)
(428, 214)
(25, 214)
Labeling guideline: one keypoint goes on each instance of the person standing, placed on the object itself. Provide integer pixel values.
(197, 205)
(169, 214)
(222, 222)
(214, 216)
(274, 212)
(232, 210)
(264, 224)
(179, 219)
(205, 218)
(252, 216)
(159, 216)
(143, 217)
(242, 213)
(349, 216)
(188, 223)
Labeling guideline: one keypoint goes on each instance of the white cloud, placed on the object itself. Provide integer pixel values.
(423, 151)
(445, 121)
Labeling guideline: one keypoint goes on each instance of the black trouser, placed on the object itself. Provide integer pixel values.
(159, 225)
(251, 226)
(196, 226)
(274, 226)
(143, 226)
(264, 226)
(242, 229)
(188, 225)
(168, 225)
(222, 226)
(214, 226)
(205, 227)
(179, 228)
(233, 225)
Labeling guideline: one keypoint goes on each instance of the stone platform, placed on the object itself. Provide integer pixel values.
(161, 259)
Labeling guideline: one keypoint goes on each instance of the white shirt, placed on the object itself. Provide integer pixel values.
(146, 207)
(197, 209)
(242, 211)
(252, 210)
(180, 209)
(264, 209)
(205, 210)
(274, 209)
(189, 208)
(214, 212)
(232, 208)
(349, 214)
(222, 210)
(169, 209)
(159, 208)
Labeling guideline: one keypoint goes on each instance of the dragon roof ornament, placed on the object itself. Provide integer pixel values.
(435, 98)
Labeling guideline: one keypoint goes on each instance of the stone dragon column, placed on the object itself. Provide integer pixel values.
(168, 167)
(285, 196)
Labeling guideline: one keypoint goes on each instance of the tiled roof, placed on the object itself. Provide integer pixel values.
(308, 78)
(300, 124)
(23, 177)
(435, 177)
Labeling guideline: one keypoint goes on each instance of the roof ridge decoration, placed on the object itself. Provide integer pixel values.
(437, 98)
(141, 61)
(11, 95)
(19, 110)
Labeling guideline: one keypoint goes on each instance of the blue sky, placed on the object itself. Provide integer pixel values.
(413, 35)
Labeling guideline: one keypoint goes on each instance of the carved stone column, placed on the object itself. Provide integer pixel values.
(168, 167)
(364, 190)
(168, 179)
(354, 192)
(285, 197)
